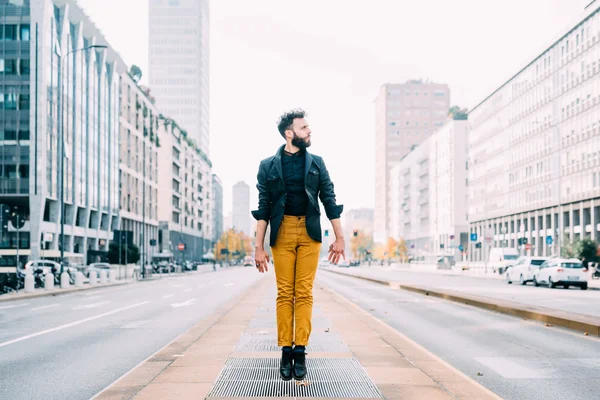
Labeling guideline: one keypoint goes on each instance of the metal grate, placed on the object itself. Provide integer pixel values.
(327, 377)
(319, 342)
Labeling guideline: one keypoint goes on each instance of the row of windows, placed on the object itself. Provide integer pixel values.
(15, 32)
(11, 134)
(14, 66)
(13, 101)
(14, 171)
(175, 82)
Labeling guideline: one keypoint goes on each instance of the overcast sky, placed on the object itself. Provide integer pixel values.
(330, 57)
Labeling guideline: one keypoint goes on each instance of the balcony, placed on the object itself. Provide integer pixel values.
(14, 186)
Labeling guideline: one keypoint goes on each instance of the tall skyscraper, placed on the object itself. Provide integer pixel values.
(406, 114)
(241, 207)
(179, 67)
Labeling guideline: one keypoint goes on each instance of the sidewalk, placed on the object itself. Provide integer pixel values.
(234, 354)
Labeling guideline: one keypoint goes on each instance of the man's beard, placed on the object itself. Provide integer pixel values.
(300, 143)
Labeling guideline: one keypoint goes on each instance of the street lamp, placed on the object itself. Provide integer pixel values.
(62, 153)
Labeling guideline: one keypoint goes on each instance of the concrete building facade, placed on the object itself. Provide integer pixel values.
(140, 133)
(405, 115)
(217, 189)
(429, 193)
(46, 42)
(241, 207)
(534, 169)
(184, 195)
(179, 63)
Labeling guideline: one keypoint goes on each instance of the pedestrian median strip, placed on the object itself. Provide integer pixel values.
(583, 323)
(234, 355)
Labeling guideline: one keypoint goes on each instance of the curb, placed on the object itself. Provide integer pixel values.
(577, 322)
(58, 292)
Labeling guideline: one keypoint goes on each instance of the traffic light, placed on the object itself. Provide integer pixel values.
(478, 245)
(356, 232)
(522, 241)
(441, 246)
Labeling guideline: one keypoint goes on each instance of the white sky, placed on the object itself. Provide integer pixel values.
(330, 57)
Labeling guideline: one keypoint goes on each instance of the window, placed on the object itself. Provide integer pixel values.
(25, 34)
(9, 134)
(175, 201)
(24, 134)
(10, 101)
(10, 32)
(176, 186)
(24, 67)
(175, 217)
(8, 67)
(23, 102)
(439, 93)
(392, 124)
(24, 171)
(175, 170)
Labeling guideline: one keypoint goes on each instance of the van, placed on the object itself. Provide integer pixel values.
(502, 257)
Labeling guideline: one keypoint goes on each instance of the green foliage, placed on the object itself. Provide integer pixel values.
(587, 249)
(130, 253)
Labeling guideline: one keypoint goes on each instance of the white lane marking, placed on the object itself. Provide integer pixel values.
(178, 285)
(187, 290)
(201, 286)
(13, 306)
(93, 305)
(230, 284)
(184, 304)
(71, 324)
(168, 296)
(44, 307)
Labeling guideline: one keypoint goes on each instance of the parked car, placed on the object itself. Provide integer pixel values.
(523, 269)
(45, 265)
(501, 257)
(324, 262)
(354, 262)
(561, 272)
(96, 267)
(343, 263)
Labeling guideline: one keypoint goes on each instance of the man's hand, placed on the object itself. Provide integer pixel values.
(336, 250)
(261, 257)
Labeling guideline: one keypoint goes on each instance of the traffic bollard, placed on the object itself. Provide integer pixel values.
(64, 280)
(49, 281)
(112, 276)
(102, 277)
(78, 279)
(93, 278)
(29, 283)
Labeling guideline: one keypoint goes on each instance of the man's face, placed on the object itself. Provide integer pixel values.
(301, 133)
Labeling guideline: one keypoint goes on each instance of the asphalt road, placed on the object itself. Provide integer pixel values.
(73, 346)
(518, 359)
(572, 300)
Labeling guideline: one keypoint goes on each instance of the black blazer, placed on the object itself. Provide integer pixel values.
(272, 194)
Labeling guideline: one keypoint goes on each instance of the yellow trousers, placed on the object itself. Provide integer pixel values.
(296, 257)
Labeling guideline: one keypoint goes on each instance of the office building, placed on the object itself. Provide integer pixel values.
(184, 196)
(428, 205)
(217, 189)
(48, 58)
(534, 169)
(405, 115)
(179, 64)
(241, 207)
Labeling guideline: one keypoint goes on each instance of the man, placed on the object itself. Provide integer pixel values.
(289, 184)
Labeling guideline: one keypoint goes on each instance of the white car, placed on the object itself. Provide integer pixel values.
(561, 272)
(45, 265)
(97, 267)
(523, 269)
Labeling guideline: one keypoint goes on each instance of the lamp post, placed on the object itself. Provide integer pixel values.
(62, 153)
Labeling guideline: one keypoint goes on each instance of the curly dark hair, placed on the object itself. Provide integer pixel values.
(287, 119)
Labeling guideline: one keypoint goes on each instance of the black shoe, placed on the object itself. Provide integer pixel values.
(299, 370)
(285, 369)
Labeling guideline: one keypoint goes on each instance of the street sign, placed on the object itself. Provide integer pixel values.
(473, 237)
(181, 247)
(460, 247)
(152, 242)
(451, 237)
(412, 246)
(548, 240)
(527, 247)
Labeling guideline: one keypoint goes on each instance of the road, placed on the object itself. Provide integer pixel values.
(572, 300)
(518, 359)
(73, 346)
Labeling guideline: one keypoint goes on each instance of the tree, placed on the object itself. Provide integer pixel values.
(360, 243)
(402, 250)
(587, 250)
(391, 247)
(457, 113)
(130, 253)
(236, 245)
(567, 250)
(136, 73)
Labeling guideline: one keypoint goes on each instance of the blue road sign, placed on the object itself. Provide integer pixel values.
(473, 237)
(548, 239)
(460, 247)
